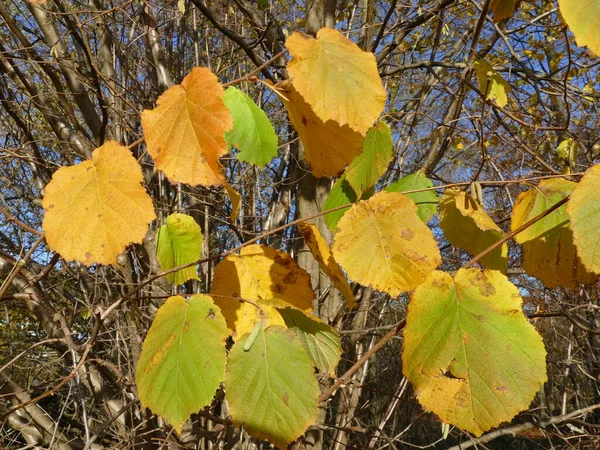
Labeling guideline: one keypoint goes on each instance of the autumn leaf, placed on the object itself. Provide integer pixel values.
(341, 194)
(503, 9)
(466, 225)
(328, 146)
(179, 242)
(236, 201)
(364, 171)
(271, 389)
(185, 132)
(183, 358)
(252, 131)
(94, 209)
(322, 254)
(491, 83)
(381, 242)
(472, 356)
(321, 342)
(582, 17)
(583, 209)
(426, 201)
(549, 252)
(266, 277)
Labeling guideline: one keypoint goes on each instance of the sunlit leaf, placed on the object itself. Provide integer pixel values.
(272, 389)
(426, 201)
(582, 18)
(584, 210)
(503, 9)
(252, 131)
(472, 356)
(320, 340)
(322, 253)
(466, 225)
(264, 276)
(549, 252)
(336, 78)
(364, 171)
(381, 242)
(328, 146)
(94, 209)
(236, 201)
(491, 83)
(341, 194)
(183, 358)
(185, 132)
(179, 242)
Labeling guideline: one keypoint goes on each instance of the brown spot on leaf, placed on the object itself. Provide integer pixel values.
(486, 288)
(281, 260)
(50, 206)
(88, 255)
(501, 388)
(285, 398)
(291, 278)
(157, 357)
(304, 121)
(278, 288)
(211, 314)
(99, 215)
(407, 234)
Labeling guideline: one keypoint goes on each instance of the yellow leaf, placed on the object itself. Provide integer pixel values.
(503, 9)
(336, 78)
(472, 356)
(381, 242)
(322, 253)
(466, 225)
(491, 83)
(549, 252)
(94, 209)
(264, 276)
(185, 132)
(236, 200)
(329, 147)
(584, 210)
(583, 18)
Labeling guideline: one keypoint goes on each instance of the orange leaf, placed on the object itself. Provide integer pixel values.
(185, 132)
(336, 78)
(95, 209)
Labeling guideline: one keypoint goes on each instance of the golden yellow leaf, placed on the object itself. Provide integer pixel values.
(236, 201)
(471, 354)
(549, 252)
(583, 18)
(329, 147)
(336, 78)
(322, 253)
(503, 9)
(185, 133)
(466, 225)
(381, 242)
(491, 83)
(264, 276)
(94, 209)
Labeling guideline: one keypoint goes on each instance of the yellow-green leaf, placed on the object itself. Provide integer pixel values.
(466, 225)
(322, 253)
(328, 146)
(549, 252)
(179, 242)
(341, 194)
(94, 209)
(381, 242)
(266, 277)
(364, 171)
(336, 78)
(491, 83)
(272, 389)
(320, 340)
(583, 18)
(584, 210)
(183, 358)
(185, 133)
(426, 201)
(472, 356)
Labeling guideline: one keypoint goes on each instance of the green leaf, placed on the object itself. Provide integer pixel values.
(472, 356)
(426, 201)
(584, 210)
(466, 225)
(491, 84)
(183, 358)
(582, 18)
(321, 341)
(179, 242)
(252, 131)
(272, 389)
(341, 194)
(364, 171)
